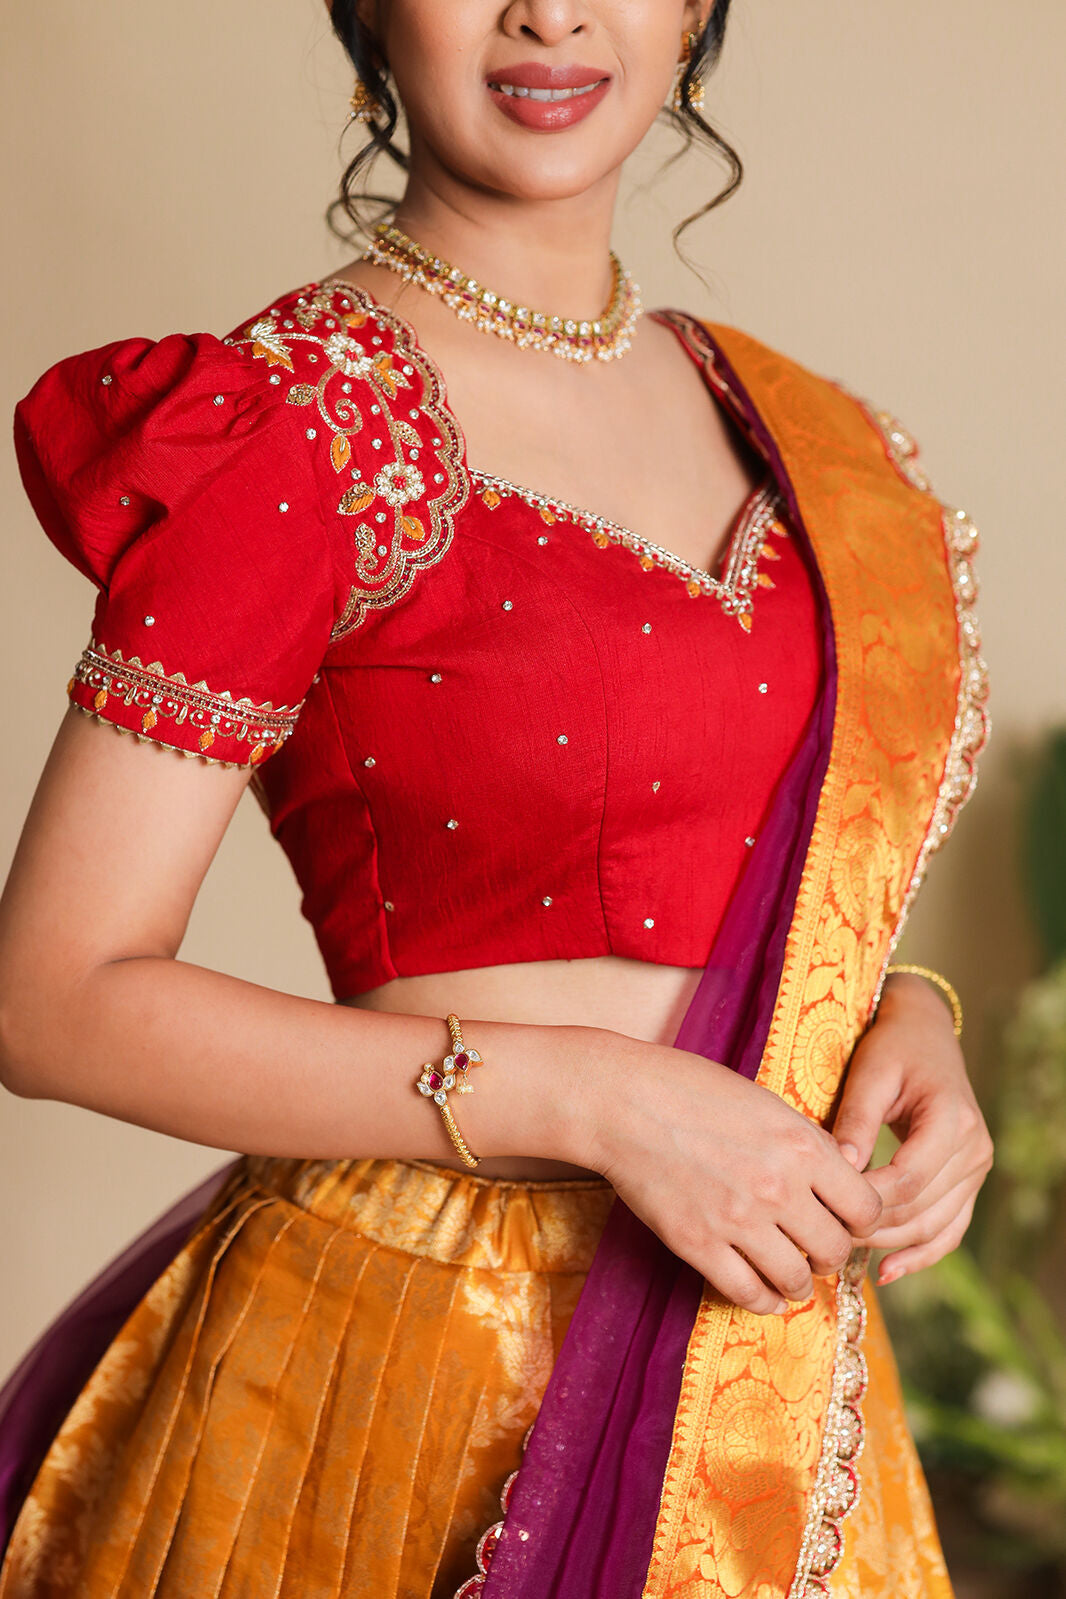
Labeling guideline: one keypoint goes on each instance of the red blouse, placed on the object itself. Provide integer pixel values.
(488, 727)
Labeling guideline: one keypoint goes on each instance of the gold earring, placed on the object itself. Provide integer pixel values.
(691, 99)
(364, 107)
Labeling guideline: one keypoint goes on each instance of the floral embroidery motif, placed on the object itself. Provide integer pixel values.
(971, 716)
(748, 546)
(102, 675)
(486, 1544)
(837, 1483)
(358, 365)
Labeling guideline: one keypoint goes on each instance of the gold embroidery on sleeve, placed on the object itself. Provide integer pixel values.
(169, 698)
(359, 370)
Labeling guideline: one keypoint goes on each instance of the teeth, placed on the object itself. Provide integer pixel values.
(543, 94)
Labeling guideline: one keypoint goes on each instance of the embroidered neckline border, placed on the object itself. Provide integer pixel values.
(748, 544)
(758, 518)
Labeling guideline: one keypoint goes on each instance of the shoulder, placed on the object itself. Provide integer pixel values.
(321, 405)
(139, 425)
(788, 395)
(387, 451)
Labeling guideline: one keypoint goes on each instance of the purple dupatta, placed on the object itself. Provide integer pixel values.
(583, 1510)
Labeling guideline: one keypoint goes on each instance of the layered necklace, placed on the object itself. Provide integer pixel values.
(604, 339)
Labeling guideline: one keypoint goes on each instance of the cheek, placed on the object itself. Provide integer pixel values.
(437, 77)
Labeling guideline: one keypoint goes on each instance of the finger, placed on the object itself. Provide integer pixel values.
(864, 1107)
(739, 1283)
(847, 1194)
(962, 1170)
(911, 1260)
(776, 1259)
(927, 1224)
(820, 1236)
(922, 1155)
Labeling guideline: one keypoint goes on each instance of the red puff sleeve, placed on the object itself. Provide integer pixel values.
(172, 475)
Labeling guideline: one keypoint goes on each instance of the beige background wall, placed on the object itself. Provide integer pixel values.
(900, 228)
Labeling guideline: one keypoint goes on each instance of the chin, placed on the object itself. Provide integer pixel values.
(552, 178)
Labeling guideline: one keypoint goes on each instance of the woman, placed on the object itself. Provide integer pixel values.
(613, 818)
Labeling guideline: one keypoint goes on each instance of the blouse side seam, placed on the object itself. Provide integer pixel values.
(387, 962)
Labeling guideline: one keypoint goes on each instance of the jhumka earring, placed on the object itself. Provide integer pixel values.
(692, 99)
(364, 107)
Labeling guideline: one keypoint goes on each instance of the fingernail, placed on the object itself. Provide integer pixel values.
(780, 1307)
(889, 1275)
(849, 1152)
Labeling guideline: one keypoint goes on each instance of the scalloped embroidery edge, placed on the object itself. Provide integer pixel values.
(406, 510)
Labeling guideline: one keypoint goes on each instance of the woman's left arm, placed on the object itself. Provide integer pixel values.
(908, 1073)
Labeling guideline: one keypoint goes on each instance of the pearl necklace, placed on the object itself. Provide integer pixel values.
(605, 339)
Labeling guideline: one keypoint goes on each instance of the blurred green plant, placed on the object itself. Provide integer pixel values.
(981, 1336)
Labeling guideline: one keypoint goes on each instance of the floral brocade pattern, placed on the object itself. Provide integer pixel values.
(140, 697)
(903, 665)
(356, 367)
(971, 713)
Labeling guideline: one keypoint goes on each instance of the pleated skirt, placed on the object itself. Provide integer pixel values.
(321, 1397)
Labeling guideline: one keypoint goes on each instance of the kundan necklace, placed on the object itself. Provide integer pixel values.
(605, 339)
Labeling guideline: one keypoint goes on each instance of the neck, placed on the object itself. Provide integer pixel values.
(552, 255)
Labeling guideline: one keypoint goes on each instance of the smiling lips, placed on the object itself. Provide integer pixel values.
(547, 98)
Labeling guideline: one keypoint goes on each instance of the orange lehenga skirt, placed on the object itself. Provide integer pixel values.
(325, 1391)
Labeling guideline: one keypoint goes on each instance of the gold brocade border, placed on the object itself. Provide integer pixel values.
(830, 966)
(972, 725)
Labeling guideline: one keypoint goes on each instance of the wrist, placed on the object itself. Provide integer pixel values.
(531, 1094)
(909, 991)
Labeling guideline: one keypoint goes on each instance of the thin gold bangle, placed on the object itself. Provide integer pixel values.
(938, 982)
(436, 1082)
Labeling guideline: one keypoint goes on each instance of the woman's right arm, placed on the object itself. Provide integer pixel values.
(97, 1010)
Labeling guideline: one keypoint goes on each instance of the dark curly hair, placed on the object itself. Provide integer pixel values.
(355, 211)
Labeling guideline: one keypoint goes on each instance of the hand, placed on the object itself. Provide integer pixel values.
(751, 1193)
(908, 1073)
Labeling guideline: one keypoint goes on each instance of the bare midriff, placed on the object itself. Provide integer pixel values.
(638, 998)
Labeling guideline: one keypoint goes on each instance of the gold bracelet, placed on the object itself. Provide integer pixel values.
(938, 982)
(436, 1082)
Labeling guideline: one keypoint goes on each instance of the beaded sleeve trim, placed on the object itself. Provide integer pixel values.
(971, 729)
(837, 1484)
(734, 590)
(357, 367)
(138, 697)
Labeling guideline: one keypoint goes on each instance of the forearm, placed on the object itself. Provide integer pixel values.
(220, 1061)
